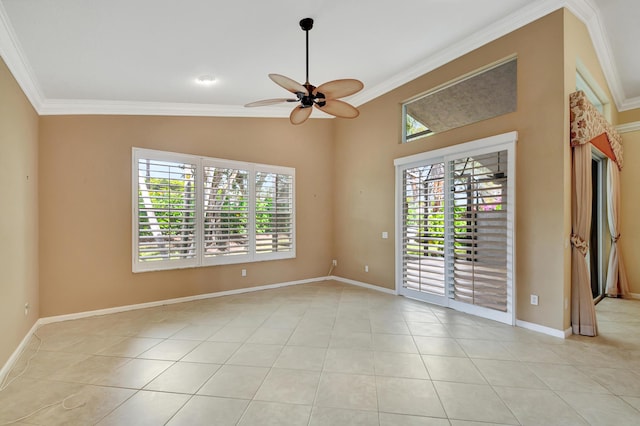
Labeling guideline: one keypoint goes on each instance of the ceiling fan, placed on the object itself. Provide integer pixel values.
(324, 97)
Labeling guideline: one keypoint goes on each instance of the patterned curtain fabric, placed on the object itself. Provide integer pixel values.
(587, 123)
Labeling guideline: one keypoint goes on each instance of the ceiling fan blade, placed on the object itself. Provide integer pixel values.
(339, 109)
(339, 88)
(289, 84)
(265, 102)
(299, 115)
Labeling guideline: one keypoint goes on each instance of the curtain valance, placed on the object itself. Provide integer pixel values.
(587, 125)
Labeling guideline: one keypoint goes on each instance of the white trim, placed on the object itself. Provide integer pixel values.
(199, 163)
(361, 284)
(635, 296)
(628, 127)
(630, 103)
(585, 10)
(589, 14)
(562, 334)
(593, 89)
(87, 314)
(445, 86)
(125, 308)
(8, 366)
(502, 27)
(505, 141)
(462, 147)
(17, 62)
(83, 107)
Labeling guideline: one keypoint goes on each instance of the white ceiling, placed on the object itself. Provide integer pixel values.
(143, 56)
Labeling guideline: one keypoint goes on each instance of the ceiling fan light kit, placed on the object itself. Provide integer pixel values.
(324, 97)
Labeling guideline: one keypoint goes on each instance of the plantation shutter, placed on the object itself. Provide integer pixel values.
(191, 211)
(479, 220)
(423, 233)
(274, 212)
(455, 233)
(226, 212)
(166, 211)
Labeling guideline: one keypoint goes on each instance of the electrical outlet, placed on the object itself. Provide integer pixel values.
(334, 262)
(385, 235)
(366, 268)
(26, 308)
(244, 272)
(534, 299)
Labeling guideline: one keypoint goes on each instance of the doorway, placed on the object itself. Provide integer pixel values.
(454, 215)
(599, 228)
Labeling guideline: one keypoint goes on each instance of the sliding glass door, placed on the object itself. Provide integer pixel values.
(455, 227)
(423, 232)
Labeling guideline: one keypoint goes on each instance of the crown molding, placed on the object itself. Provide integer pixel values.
(518, 19)
(585, 10)
(88, 107)
(100, 107)
(11, 53)
(589, 14)
(631, 103)
(628, 127)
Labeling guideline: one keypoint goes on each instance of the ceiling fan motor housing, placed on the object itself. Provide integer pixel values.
(306, 24)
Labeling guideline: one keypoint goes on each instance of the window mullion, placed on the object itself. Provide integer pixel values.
(449, 227)
(252, 213)
(199, 182)
(174, 220)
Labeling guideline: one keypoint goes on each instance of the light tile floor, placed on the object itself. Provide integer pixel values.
(323, 354)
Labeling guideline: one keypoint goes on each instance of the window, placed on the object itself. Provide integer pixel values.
(483, 94)
(455, 227)
(191, 211)
(586, 83)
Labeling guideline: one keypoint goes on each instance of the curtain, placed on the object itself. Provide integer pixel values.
(583, 313)
(588, 127)
(617, 284)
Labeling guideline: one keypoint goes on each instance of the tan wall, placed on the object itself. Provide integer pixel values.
(578, 47)
(366, 148)
(85, 204)
(630, 116)
(345, 185)
(19, 224)
(629, 208)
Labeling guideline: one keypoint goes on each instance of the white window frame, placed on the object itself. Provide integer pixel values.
(602, 226)
(505, 141)
(473, 74)
(593, 91)
(199, 260)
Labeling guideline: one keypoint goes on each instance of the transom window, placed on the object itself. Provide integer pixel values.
(191, 211)
(480, 95)
(595, 94)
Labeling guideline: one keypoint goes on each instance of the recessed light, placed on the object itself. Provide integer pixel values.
(206, 80)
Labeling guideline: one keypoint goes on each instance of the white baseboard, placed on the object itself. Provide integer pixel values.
(634, 296)
(562, 334)
(361, 284)
(58, 318)
(6, 368)
(78, 315)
